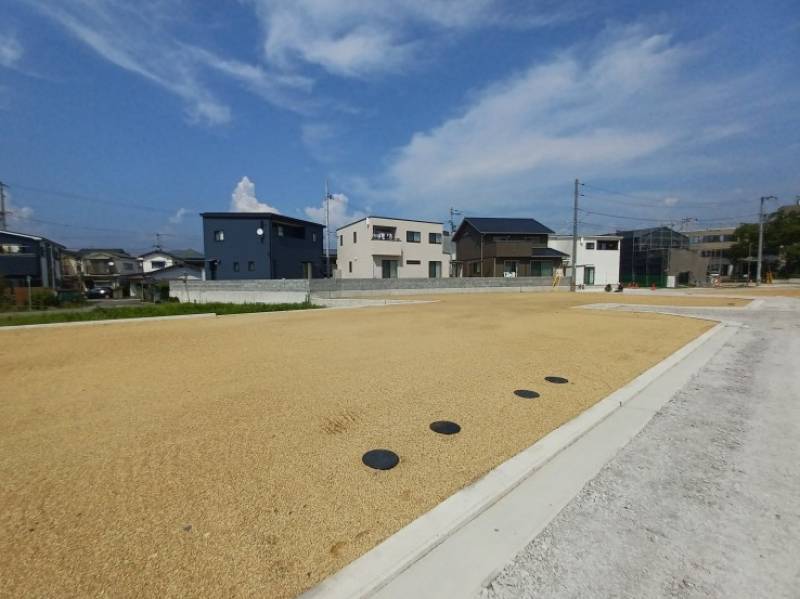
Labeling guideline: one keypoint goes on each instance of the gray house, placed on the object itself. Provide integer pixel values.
(261, 245)
(23, 256)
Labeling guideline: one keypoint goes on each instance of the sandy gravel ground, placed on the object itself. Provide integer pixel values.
(703, 503)
(221, 457)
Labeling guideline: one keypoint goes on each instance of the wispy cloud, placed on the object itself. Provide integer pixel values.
(10, 50)
(138, 38)
(356, 38)
(627, 98)
(177, 218)
(243, 198)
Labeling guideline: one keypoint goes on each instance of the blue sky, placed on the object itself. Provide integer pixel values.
(119, 122)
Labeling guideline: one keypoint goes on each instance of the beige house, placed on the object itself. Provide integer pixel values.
(378, 247)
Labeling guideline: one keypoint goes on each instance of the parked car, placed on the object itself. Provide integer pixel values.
(100, 293)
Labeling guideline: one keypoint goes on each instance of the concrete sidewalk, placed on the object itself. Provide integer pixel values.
(704, 501)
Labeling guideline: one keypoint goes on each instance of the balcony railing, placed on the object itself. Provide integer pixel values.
(384, 237)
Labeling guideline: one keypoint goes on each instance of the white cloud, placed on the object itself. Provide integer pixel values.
(137, 37)
(596, 111)
(360, 37)
(177, 218)
(17, 216)
(243, 198)
(339, 213)
(10, 50)
(670, 201)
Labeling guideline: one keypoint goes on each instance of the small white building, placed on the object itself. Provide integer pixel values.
(378, 247)
(598, 258)
(156, 260)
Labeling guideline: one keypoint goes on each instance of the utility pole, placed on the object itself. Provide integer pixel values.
(572, 283)
(3, 206)
(761, 237)
(327, 231)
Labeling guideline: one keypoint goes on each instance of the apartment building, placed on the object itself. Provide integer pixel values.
(597, 258)
(378, 247)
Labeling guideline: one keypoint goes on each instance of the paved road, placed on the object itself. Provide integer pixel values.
(705, 501)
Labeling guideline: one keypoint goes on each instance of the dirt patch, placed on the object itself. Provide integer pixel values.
(222, 457)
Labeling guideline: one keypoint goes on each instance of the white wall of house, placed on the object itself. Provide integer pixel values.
(605, 262)
(363, 247)
(156, 261)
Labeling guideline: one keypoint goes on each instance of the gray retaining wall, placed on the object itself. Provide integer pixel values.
(298, 290)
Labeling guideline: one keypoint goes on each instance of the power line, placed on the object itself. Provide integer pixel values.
(91, 199)
(651, 202)
(98, 229)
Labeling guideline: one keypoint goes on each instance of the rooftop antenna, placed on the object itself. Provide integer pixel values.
(453, 212)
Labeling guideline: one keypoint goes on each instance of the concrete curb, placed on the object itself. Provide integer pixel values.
(378, 567)
(106, 321)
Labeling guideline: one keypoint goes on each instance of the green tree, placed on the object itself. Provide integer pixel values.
(781, 238)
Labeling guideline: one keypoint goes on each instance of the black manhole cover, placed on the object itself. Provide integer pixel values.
(380, 459)
(559, 380)
(445, 427)
(526, 393)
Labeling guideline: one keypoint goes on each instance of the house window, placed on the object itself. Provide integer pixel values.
(349, 267)
(510, 268)
(219, 235)
(413, 236)
(314, 236)
(355, 236)
(280, 230)
(541, 269)
(476, 268)
(251, 266)
(127, 266)
(155, 264)
(434, 238)
(413, 262)
(590, 245)
(341, 240)
(434, 270)
(607, 245)
(235, 267)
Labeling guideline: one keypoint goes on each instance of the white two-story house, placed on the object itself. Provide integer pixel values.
(598, 258)
(378, 247)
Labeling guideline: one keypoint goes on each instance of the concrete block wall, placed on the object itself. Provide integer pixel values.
(298, 290)
(267, 291)
(364, 287)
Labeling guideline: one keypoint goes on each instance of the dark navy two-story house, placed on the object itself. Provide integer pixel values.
(31, 258)
(261, 245)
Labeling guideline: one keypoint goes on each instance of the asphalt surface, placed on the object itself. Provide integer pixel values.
(705, 501)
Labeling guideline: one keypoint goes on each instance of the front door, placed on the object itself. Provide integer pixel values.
(389, 269)
(588, 275)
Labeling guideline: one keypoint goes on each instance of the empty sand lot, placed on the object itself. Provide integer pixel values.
(222, 457)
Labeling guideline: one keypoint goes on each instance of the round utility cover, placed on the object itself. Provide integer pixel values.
(445, 427)
(526, 394)
(380, 459)
(559, 380)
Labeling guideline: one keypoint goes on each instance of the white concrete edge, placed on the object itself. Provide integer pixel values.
(379, 566)
(755, 304)
(79, 323)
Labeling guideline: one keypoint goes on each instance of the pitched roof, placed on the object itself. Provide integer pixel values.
(188, 254)
(504, 226)
(547, 253)
(274, 216)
